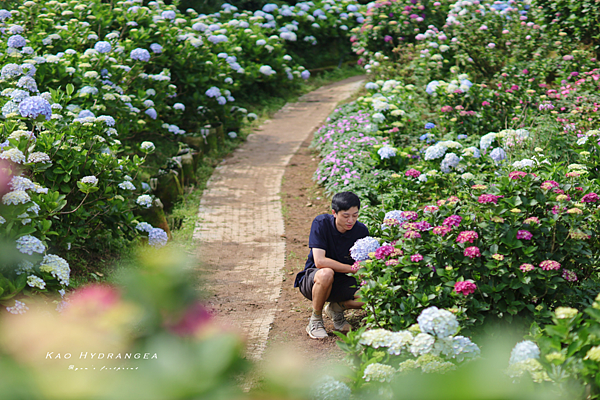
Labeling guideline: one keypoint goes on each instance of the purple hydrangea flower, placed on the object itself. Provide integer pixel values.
(140, 54)
(16, 41)
(169, 14)
(498, 154)
(305, 74)
(103, 47)
(151, 112)
(35, 106)
(156, 48)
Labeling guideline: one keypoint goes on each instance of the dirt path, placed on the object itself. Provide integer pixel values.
(241, 236)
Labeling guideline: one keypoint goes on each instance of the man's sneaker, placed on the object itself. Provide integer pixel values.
(336, 312)
(316, 329)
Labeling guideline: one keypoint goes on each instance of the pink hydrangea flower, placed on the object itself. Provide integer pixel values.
(413, 173)
(383, 252)
(590, 198)
(548, 265)
(467, 236)
(569, 276)
(441, 230)
(488, 198)
(396, 253)
(453, 220)
(391, 262)
(446, 109)
(416, 257)
(431, 209)
(532, 220)
(355, 267)
(517, 174)
(547, 185)
(525, 235)
(410, 215)
(465, 287)
(422, 225)
(472, 252)
(412, 235)
(452, 199)
(526, 267)
(572, 174)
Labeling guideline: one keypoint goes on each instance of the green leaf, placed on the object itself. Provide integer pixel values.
(70, 89)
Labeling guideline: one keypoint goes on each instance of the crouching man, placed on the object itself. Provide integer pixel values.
(324, 277)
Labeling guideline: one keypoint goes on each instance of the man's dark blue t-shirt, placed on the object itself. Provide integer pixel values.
(324, 235)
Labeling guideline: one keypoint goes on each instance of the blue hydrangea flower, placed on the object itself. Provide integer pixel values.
(371, 86)
(86, 114)
(28, 83)
(429, 125)
(103, 47)
(169, 14)
(450, 161)
(221, 100)
(9, 108)
(157, 238)
(378, 117)
(18, 95)
(462, 136)
(435, 151)
(11, 71)
(4, 14)
(156, 48)
(30, 244)
(179, 106)
(199, 26)
(140, 54)
(472, 151)
(386, 152)
(144, 227)
(213, 92)
(29, 69)
(16, 41)
(523, 351)
(35, 106)
(431, 86)
(107, 119)
(361, 249)
(305, 74)
(498, 154)
(151, 112)
(438, 322)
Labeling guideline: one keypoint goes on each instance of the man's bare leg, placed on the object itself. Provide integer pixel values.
(321, 289)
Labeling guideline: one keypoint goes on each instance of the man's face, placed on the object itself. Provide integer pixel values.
(345, 219)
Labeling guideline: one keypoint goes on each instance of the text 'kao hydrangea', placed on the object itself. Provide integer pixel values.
(438, 322)
(362, 247)
(34, 106)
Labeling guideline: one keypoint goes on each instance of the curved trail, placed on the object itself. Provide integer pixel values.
(240, 230)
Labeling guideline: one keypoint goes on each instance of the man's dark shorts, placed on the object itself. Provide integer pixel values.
(344, 286)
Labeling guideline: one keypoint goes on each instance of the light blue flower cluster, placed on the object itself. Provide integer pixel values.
(435, 151)
(523, 351)
(386, 152)
(16, 41)
(126, 185)
(361, 249)
(157, 238)
(429, 125)
(144, 227)
(140, 54)
(34, 106)
(472, 151)
(431, 87)
(156, 48)
(103, 47)
(487, 140)
(328, 388)
(18, 308)
(450, 161)
(30, 244)
(438, 322)
(394, 215)
(498, 154)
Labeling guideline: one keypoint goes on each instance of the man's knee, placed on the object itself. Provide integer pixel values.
(324, 276)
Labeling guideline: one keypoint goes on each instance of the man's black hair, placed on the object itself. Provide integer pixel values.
(344, 201)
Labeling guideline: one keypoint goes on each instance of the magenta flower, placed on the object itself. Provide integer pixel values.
(569, 276)
(517, 174)
(485, 103)
(532, 220)
(446, 109)
(548, 265)
(387, 38)
(453, 220)
(384, 251)
(355, 267)
(488, 198)
(416, 257)
(526, 267)
(547, 185)
(472, 252)
(391, 262)
(465, 287)
(590, 198)
(412, 173)
(431, 209)
(525, 235)
(441, 230)
(467, 236)
(422, 226)
(410, 215)
(412, 235)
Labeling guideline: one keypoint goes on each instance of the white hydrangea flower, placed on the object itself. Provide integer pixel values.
(523, 351)
(18, 308)
(15, 155)
(376, 338)
(90, 179)
(422, 344)
(438, 322)
(144, 200)
(398, 341)
(147, 146)
(58, 267)
(379, 373)
(126, 185)
(30, 244)
(36, 281)
(329, 388)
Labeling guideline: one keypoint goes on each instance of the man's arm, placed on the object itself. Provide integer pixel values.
(323, 262)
